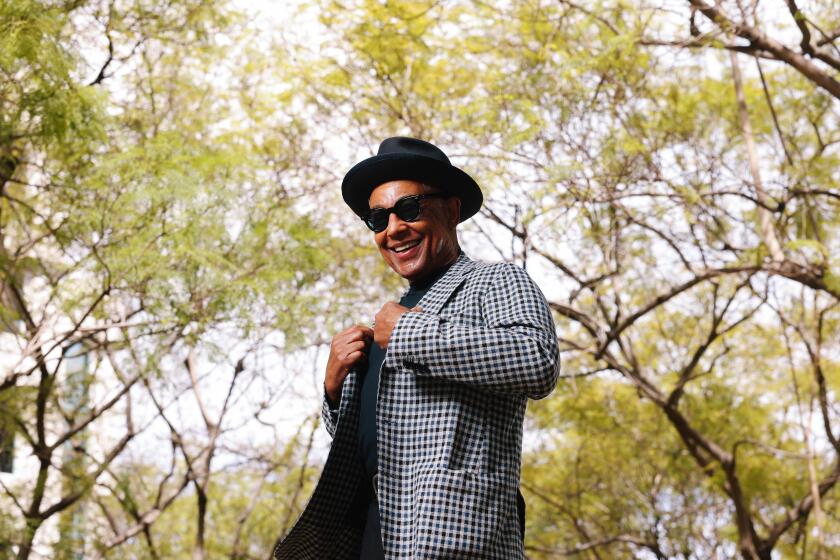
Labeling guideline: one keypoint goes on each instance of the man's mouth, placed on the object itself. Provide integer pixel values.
(405, 246)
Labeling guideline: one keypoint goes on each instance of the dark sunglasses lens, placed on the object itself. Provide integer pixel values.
(377, 220)
(407, 209)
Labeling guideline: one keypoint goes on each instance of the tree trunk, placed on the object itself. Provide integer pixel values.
(768, 233)
(198, 550)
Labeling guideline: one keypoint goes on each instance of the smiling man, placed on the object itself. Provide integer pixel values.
(426, 406)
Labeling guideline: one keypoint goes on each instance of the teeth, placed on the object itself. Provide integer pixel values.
(406, 247)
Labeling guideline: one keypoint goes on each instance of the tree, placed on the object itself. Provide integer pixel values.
(144, 223)
(668, 173)
(678, 215)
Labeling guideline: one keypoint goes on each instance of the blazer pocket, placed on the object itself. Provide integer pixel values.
(457, 513)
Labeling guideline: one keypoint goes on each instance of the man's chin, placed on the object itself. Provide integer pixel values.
(406, 269)
(410, 271)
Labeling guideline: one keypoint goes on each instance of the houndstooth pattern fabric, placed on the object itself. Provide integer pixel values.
(452, 395)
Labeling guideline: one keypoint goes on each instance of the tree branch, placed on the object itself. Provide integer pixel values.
(761, 41)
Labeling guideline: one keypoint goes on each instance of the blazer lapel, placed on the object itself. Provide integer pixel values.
(442, 290)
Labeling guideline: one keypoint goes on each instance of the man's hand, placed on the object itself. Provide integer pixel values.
(346, 350)
(385, 321)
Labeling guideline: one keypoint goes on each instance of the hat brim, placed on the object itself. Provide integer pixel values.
(374, 171)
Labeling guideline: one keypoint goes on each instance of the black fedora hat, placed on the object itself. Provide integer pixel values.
(402, 158)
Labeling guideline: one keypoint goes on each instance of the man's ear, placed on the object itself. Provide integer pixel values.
(453, 210)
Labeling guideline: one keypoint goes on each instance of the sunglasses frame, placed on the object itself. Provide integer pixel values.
(368, 218)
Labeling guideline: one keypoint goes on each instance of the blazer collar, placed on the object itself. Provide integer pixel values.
(442, 289)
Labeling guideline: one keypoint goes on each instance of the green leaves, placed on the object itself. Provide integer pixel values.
(614, 159)
(190, 197)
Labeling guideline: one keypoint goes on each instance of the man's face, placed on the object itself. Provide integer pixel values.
(417, 250)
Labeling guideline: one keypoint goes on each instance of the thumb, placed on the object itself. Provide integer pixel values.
(416, 308)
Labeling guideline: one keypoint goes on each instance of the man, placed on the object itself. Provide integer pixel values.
(426, 406)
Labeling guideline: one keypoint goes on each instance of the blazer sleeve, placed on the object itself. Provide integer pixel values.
(329, 415)
(515, 351)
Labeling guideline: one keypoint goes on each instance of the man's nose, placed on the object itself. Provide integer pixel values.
(395, 224)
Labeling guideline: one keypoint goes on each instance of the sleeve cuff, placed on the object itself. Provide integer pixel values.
(410, 325)
(328, 407)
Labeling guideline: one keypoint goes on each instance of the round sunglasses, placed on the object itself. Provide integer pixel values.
(407, 209)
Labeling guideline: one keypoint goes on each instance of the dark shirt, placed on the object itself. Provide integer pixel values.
(370, 383)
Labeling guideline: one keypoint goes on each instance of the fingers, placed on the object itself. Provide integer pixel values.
(346, 351)
(348, 347)
(358, 336)
(391, 307)
(355, 357)
(349, 359)
(357, 347)
(356, 332)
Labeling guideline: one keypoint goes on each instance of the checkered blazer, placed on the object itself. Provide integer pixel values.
(452, 395)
